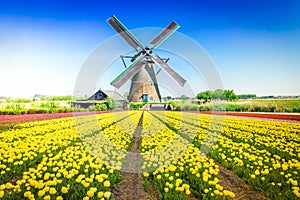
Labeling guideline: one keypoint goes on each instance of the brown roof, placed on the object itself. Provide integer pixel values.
(113, 94)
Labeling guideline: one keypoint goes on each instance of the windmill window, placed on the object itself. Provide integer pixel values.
(150, 83)
(151, 98)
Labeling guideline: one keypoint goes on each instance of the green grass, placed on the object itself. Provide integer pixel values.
(287, 101)
(257, 105)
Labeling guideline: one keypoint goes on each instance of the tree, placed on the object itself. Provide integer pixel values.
(218, 94)
(230, 95)
(60, 98)
(183, 97)
(247, 96)
(205, 96)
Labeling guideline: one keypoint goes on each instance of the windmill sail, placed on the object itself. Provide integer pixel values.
(129, 72)
(125, 33)
(158, 60)
(171, 28)
(151, 71)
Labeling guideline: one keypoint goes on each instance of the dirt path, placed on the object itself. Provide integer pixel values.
(232, 182)
(131, 186)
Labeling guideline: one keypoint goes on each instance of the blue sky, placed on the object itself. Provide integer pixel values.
(254, 44)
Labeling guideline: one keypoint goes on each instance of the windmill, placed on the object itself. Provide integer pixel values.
(142, 70)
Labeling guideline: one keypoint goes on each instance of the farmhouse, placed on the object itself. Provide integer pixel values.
(100, 97)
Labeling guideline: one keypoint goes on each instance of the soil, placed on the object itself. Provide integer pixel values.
(232, 182)
(131, 186)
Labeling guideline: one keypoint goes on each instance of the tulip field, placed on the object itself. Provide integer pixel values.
(81, 157)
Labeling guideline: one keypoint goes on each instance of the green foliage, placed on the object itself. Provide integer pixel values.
(39, 97)
(14, 108)
(218, 94)
(183, 97)
(60, 98)
(204, 96)
(49, 105)
(135, 105)
(42, 98)
(247, 96)
(184, 106)
(238, 107)
(233, 107)
(266, 108)
(21, 100)
(205, 108)
(175, 105)
(111, 103)
(230, 95)
(34, 108)
(98, 107)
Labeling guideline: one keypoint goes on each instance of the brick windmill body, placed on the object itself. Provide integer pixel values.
(142, 70)
(144, 84)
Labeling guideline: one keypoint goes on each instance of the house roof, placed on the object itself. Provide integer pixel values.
(113, 94)
(103, 94)
(99, 95)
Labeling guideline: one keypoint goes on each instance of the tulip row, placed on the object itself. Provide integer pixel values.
(176, 167)
(67, 158)
(265, 153)
(8, 122)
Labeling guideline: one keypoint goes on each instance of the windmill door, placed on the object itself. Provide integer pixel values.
(145, 97)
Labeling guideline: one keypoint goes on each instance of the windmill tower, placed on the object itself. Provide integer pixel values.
(142, 70)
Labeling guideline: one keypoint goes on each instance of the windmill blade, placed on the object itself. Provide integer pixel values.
(129, 72)
(158, 60)
(151, 71)
(125, 33)
(171, 28)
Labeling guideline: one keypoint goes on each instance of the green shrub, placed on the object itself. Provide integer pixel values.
(205, 108)
(295, 109)
(136, 106)
(111, 103)
(256, 109)
(194, 108)
(237, 107)
(186, 107)
(219, 107)
(175, 105)
(98, 107)
(21, 100)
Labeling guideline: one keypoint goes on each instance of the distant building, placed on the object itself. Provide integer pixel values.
(100, 97)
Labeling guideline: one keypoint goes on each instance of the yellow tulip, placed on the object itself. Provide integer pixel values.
(107, 194)
(106, 183)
